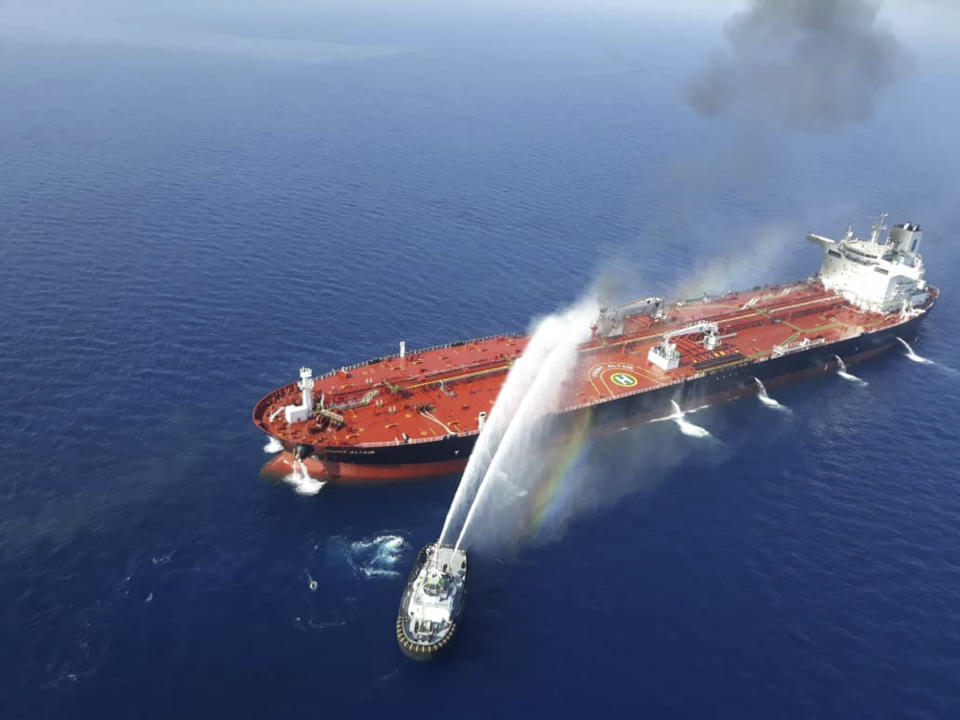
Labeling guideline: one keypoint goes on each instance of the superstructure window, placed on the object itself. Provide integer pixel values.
(833, 252)
(861, 253)
(860, 260)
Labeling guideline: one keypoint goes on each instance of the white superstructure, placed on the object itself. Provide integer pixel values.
(432, 604)
(879, 275)
(432, 601)
(665, 354)
(301, 412)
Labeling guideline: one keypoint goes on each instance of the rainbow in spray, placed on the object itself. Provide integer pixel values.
(555, 487)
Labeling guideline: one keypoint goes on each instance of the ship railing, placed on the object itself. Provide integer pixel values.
(788, 348)
(261, 407)
(566, 408)
(459, 343)
(709, 297)
(420, 351)
(413, 441)
(495, 336)
(362, 396)
(443, 379)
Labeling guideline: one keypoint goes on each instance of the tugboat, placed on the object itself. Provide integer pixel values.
(432, 601)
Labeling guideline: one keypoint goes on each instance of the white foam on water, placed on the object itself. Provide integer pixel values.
(850, 377)
(686, 427)
(376, 557)
(301, 481)
(311, 582)
(672, 417)
(767, 400)
(912, 355)
(309, 623)
(274, 446)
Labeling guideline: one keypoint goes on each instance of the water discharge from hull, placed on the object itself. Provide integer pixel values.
(273, 446)
(767, 400)
(912, 355)
(850, 377)
(301, 480)
(686, 427)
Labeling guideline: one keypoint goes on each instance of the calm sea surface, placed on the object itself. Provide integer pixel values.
(180, 231)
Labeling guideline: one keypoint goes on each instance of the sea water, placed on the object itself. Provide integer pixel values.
(191, 212)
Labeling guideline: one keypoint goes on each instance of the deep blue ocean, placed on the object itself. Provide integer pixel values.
(184, 223)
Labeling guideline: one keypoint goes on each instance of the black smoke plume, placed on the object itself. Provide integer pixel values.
(814, 64)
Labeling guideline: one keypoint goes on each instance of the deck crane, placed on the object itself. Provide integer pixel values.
(665, 354)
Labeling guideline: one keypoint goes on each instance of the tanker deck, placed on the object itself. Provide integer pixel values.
(419, 413)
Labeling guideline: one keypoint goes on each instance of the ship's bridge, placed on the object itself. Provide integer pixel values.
(876, 274)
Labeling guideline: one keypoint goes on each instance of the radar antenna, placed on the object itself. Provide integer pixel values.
(878, 227)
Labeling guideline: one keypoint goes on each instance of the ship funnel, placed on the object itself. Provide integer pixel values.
(906, 237)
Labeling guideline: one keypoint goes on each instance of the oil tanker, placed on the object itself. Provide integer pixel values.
(413, 414)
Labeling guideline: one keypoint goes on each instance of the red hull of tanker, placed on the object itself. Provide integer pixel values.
(418, 415)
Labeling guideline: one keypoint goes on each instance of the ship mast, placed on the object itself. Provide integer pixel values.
(878, 227)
